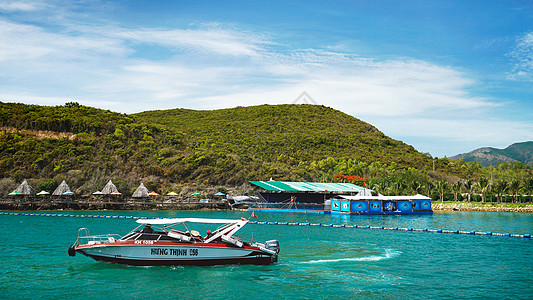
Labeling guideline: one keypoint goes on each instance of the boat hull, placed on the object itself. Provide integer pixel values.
(173, 255)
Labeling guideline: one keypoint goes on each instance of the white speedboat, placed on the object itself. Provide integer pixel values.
(239, 200)
(164, 245)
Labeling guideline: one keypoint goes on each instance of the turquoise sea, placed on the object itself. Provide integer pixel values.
(315, 262)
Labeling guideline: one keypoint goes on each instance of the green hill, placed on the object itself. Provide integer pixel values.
(169, 149)
(291, 134)
(81, 144)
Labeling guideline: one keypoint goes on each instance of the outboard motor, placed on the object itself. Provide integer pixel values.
(272, 245)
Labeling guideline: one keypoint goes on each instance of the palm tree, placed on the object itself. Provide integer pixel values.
(378, 187)
(482, 186)
(514, 187)
(456, 188)
(501, 188)
(469, 186)
(429, 187)
(399, 187)
(442, 187)
(528, 187)
(415, 187)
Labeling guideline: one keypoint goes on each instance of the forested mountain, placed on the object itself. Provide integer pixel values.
(170, 149)
(487, 156)
(279, 137)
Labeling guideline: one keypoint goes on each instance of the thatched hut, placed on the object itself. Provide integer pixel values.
(25, 189)
(61, 189)
(110, 188)
(140, 192)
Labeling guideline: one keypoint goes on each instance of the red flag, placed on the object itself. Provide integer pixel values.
(253, 214)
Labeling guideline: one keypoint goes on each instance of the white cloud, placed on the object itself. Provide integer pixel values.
(522, 56)
(213, 39)
(25, 42)
(23, 6)
(216, 67)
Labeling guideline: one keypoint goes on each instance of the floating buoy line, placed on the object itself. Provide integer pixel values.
(489, 233)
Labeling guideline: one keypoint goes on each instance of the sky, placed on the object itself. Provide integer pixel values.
(446, 77)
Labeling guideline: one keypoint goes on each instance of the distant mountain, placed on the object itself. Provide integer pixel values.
(487, 156)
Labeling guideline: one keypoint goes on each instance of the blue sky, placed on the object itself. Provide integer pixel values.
(444, 76)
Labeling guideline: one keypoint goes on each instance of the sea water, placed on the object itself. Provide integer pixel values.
(315, 262)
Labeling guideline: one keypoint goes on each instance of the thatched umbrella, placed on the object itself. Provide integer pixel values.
(110, 188)
(25, 189)
(140, 192)
(61, 189)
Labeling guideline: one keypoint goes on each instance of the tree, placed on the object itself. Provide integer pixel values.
(378, 187)
(456, 188)
(72, 104)
(429, 187)
(500, 188)
(442, 188)
(514, 187)
(528, 187)
(47, 185)
(482, 186)
(415, 187)
(469, 186)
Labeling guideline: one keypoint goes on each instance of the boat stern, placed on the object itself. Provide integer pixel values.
(272, 247)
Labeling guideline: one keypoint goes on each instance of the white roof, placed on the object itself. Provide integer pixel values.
(381, 197)
(183, 220)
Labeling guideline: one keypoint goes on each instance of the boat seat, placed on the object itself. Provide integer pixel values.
(179, 236)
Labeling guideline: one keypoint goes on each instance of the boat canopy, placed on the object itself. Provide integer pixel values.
(184, 220)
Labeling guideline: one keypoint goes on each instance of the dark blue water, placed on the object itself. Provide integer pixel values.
(315, 262)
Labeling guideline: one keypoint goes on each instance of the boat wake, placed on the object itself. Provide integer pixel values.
(389, 253)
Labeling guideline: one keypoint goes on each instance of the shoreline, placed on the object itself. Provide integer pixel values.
(224, 205)
(479, 206)
(98, 205)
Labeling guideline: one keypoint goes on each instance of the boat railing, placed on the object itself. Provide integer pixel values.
(84, 238)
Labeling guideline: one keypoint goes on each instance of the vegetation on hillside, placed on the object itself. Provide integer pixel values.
(99, 144)
(221, 148)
